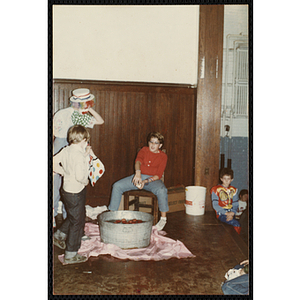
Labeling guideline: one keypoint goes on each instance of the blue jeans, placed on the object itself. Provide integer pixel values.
(58, 144)
(236, 286)
(73, 226)
(234, 222)
(156, 187)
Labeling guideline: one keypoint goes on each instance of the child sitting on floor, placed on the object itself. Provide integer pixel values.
(72, 162)
(225, 200)
(243, 199)
(237, 280)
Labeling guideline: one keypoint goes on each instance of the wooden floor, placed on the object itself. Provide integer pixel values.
(217, 247)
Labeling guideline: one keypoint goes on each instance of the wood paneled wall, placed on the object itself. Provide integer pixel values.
(209, 97)
(131, 111)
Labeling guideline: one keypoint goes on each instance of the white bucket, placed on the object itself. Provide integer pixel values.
(195, 200)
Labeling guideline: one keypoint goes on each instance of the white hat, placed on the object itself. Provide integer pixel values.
(80, 95)
(82, 99)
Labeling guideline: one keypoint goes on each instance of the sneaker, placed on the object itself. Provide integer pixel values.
(161, 224)
(76, 259)
(60, 244)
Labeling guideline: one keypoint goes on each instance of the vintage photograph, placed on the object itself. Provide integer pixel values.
(151, 114)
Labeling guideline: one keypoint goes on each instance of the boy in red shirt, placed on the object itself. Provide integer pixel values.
(225, 200)
(150, 165)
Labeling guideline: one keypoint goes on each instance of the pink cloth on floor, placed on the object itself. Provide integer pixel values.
(160, 247)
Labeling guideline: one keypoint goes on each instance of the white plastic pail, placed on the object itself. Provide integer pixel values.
(195, 200)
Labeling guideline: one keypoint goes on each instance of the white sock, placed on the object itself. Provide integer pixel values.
(161, 224)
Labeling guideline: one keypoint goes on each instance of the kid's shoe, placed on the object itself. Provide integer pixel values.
(161, 224)
(59, 243)
(76, 259)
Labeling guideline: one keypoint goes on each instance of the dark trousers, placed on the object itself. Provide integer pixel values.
(73, 226)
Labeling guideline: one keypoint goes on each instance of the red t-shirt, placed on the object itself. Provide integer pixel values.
(152, 163)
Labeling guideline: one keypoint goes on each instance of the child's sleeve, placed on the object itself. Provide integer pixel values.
(140, 156)
(57, 168)
(215, 203)
(235, 202)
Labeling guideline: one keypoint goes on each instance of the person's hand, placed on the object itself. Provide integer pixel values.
(244, 264)
(141, 185)
(98, 118)
(89, 151)
(137, 179)
(229, 216)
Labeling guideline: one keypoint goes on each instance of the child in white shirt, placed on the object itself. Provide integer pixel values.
(72, 162)
(243, 199)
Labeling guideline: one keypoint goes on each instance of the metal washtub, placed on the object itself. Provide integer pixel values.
(125, 236)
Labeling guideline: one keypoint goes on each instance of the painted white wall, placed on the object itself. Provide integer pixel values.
(235, 19)
(126, 43)
(135, 43)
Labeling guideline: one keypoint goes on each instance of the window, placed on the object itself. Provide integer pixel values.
(235, 89)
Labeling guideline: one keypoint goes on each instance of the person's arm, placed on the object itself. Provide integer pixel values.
(58, 123)
(235, 202)
(57, 168)
(97, 117)
(215, 203)
(245, 262)
(151, 179)
(235, 205)
(89, 151)
(147, 181)
(137, 179)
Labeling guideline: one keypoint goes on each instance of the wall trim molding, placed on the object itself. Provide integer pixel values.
(126, 83)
